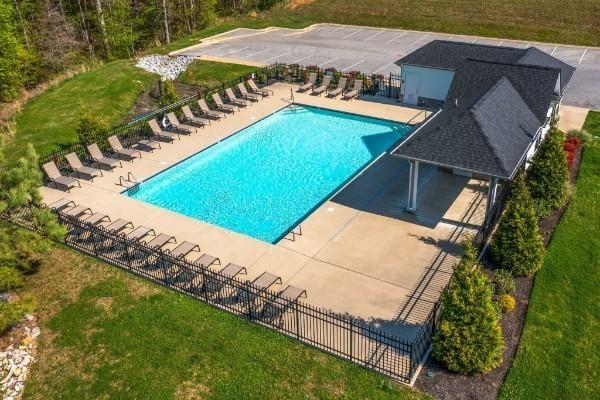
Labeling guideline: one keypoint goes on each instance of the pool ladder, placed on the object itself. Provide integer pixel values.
(297, 231)
(129, 181)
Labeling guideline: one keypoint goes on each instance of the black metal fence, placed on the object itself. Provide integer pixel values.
(350, 339)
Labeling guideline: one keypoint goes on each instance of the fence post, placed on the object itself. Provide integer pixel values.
(297, 320)
(351, 340)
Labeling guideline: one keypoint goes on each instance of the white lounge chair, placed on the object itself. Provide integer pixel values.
(323, 86)
(355, 92)
(339, 89)
(312, 78)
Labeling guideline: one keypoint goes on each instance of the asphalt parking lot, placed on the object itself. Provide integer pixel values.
(374, 50)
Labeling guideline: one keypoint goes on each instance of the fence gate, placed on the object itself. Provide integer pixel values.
(394, 86)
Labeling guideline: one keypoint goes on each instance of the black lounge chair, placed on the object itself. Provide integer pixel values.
(205, 110)
(255, 89)
(248, 96)
(80, 169)
(57, 179)
(101, 160)
(190, 117)
(222, 106)
(61, 204)
(121, 151)
(160, 134)
(275, 309)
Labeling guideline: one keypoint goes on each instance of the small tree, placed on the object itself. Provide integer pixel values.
(169, 94)
(517, 244)
(548, 176)
(468, 338)
(90, 127)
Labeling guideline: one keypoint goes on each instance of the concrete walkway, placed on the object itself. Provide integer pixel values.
(359, 253)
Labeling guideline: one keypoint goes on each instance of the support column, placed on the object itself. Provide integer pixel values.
(491, 196)
(413, 188)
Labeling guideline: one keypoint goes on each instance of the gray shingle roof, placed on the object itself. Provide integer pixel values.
(492, 112)
(535, 56)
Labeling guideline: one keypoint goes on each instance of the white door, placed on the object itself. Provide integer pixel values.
(411, 88)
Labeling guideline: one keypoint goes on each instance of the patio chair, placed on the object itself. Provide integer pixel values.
(275, 309)
(255, 89)
(312, 78)
(179, 127)
(80, 169)
(248, 96)
(161, 134)
(101, 160)
(257, 286)
(226, 274)
(205, 110)
(56, 178)
(95, 219)
(61, 204)
(160, 240)
(323, 86)
(354, 93)
(78, 211)
(140, 232)
(206, 260)
(222, 106)
(190, 117)
(339, 89)
(183, 249)
(117, 147)
(118, 225)
(234, 100)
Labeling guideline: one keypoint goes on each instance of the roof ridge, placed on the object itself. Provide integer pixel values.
(478, 44)
(513, 64)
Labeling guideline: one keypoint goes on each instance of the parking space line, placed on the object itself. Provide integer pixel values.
(418, 40)
(353, 65)
(555, 47)
(272, 58)
(302, 59)
(350, 34)
(255, 54)
(583, 55)
(500, 44)
(528, 45)
(474, 40)
(328, 61)
(384, 67)
(372, 36)
(335, 30)
(397, 37)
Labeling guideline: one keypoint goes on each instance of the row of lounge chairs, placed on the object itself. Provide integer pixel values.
(272, 309)
(324, 87)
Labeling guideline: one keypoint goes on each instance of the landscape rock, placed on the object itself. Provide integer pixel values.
(169, 68)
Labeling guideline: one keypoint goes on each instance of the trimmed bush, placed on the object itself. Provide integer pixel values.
(90, 127)
(10, 278)
(507, 303)
(581, 134)
(169, 94)
(468, 339)
(548, 176)
(504, 282)
(517, 244)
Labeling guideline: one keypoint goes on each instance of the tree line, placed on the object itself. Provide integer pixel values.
(43, 37)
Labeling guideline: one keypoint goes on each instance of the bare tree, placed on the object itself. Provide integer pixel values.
(165, 21)
(102, 27)
(84, 29)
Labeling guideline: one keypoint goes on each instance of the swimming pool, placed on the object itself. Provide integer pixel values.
(266, 178)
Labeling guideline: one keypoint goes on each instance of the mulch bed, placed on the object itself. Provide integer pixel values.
(442, 384)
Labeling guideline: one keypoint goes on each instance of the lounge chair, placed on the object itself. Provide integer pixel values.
(161, 134)
(118, 148)
(95, 219)
(183, 249)
(221, 106)
(323, 86)
(190, 117)
(181, 128)
(255, 89)
(100, 159)
(61, 204)
(227, 273)
(339, 89)
(205, 110)
(248, 96)
(275, 309)
(234, 100)
(56, 178)
(80, 169)
(139, 233)
(312, 78)
(118, 225)
(206, 260)
(160, 240)
(78, 211)
(355, 90)
(258, 285)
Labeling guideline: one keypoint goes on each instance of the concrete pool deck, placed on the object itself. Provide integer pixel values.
(359, 254)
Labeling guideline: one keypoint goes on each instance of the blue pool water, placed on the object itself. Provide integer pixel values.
(263, 180)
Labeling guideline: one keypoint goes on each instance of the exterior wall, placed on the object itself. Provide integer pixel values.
(544, 131)
(431, 83)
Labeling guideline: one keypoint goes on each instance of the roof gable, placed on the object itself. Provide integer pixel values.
(535, 56)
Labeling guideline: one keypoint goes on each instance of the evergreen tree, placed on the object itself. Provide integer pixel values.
(547, 178)
(468, 339)
(169, 94)
(11, 54)
(517, 245)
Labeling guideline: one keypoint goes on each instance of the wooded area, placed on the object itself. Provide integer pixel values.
(43, 37)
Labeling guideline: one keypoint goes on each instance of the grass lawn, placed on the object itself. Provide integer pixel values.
(51, 118)
(107, 334)
(209, 74)
(559, 352)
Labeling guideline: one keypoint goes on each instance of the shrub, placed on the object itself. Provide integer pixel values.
(169, 94)
(507, 303)
(90, 127)
(469, 339)
(11, 313)
(548, 176)
(581, 134)
(504, 282)
(9, 279)
(517, 243)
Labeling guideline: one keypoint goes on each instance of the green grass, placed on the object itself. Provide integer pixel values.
(51, 118)
(558, 356)
(109, 335)
(209, 74)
